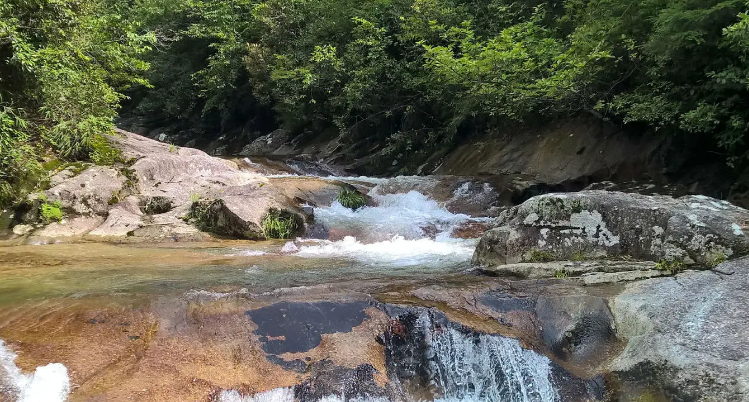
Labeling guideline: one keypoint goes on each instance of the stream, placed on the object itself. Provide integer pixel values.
(330, 318)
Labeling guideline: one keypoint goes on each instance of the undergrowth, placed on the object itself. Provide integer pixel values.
(351, 199)
(278, 224)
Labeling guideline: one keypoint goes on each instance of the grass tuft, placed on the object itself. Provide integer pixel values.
(278, 224)
(536, 255)
(673, 267)
(351, 199)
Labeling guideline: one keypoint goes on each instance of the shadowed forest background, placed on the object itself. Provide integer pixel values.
(399, 77)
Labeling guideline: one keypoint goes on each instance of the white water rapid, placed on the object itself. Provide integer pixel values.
(49, 383)
(402, 230)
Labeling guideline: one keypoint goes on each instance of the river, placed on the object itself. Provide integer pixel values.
(220, 320)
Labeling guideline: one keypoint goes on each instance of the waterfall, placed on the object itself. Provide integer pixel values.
(490, 368)
(454, 364)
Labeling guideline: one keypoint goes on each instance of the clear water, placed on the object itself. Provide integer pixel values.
(467, 368)
(406, 237)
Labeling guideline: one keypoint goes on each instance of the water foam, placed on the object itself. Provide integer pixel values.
(408, 215)
(397, 251)
(488, 368)
(49, 383)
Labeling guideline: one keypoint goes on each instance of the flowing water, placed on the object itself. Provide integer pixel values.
(168, 322)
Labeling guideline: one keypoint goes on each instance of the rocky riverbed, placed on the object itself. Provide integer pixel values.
(440, 288)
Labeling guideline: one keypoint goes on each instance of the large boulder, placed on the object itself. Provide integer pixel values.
(88, 193)
(689, 332)
(149, 197)
(602, 224)
(275, 143)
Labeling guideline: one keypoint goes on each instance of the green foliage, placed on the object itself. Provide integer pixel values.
(50, 212)
(561, 274)
(63, 65)
(408, 78)
(536, 255)
(579, 256)
(351, 199)
(278, 224)
(672, 266)
(715, 259)
(102, 151)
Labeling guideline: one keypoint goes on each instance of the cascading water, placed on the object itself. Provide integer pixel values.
(49, 383)
(481, 367)
(450, 364)
(402, 230)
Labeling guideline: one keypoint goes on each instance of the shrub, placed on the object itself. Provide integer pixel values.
(102, 151)
(715, 259)
(278, 224)
(51, 212)
(561, 274)
(351, 199)
(673, 267)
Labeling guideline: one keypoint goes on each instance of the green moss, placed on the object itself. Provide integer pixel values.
(552, 208)
(561, 274)
(715, 259)
(673, 267)
(52, 165)
(77, 168)
(50, 212)
(278, 224)
(536, 255)
(579, 256)
(103, 153)
(351, 199)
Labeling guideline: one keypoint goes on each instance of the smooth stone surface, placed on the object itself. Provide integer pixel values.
(596, 224)
(692, 328)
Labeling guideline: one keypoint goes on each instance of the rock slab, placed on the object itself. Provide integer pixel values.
(597, 224)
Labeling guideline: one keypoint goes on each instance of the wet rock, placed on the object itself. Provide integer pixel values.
(156, 205)
(595, 224)
(469, 230)
(290, 327)
(434, 358)
(690, 330)
(274, 143)
(88, 193)
(579, 329)
(348, 384)
(22, 230)
(564, 269)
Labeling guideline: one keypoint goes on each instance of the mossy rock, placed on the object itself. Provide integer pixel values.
(213, 216)
(156, 205)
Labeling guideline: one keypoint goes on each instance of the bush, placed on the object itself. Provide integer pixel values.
(51, 212)
(351, 199)
(561, 274)
(278, 224)
(673, 267)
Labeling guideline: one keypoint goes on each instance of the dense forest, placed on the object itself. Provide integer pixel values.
(406, 76)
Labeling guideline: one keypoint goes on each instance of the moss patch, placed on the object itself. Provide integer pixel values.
(50, 212)
(103, 153)
(536, 255)
(673, 267)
